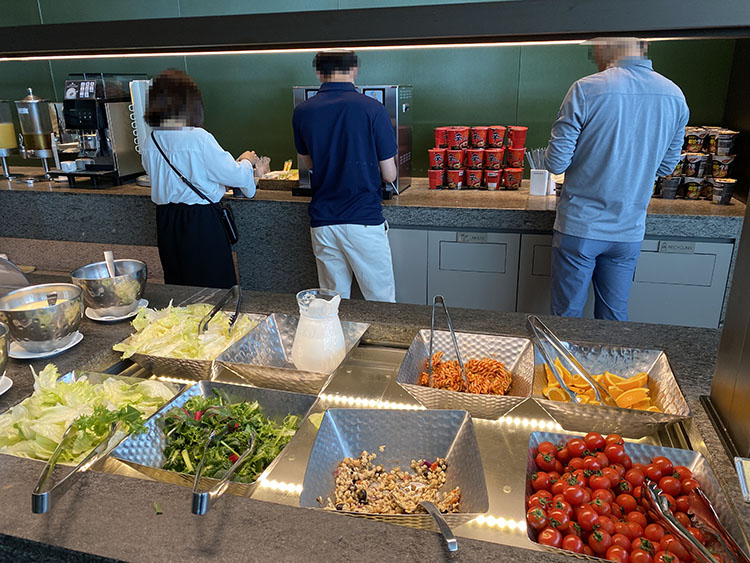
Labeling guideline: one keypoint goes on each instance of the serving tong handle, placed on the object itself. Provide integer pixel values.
(42, 496)
(203, 500)
(435, 300)
(234, 291)
(52, 299)
(541, 335)
(432, 510)
(705, 514)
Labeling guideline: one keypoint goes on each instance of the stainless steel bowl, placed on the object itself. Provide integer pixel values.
(116, 296)
(4, 347)
(51, 320)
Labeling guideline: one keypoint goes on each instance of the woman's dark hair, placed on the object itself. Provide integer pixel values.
(328, 62)
(174, 95)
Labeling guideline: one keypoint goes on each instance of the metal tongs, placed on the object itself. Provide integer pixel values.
(42, 496)
(234, 291)
(441, 300)
(701, 508)
(542, 335)
(203, 500)
(445, 529)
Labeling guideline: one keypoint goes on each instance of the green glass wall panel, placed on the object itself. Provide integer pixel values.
(71, 11)
(19, 12)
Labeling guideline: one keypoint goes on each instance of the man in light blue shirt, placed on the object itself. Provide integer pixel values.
(615, 132)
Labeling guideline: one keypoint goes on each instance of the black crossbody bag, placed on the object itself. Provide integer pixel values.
(225, 213)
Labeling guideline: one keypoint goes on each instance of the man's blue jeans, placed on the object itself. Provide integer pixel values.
(578, 261)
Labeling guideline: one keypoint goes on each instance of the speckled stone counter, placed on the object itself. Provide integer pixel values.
(274, 251)
(113, 517)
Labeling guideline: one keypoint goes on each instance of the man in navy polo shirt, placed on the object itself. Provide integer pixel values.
(346, 139)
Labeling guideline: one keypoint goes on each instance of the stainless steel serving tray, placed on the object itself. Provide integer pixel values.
(406, 435)
(516, 353)
(644, 453)
(145, 452)
(194, 370)
(625, 362)
(263, 357)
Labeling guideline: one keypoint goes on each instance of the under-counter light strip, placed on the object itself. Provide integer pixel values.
(532, 423)
(368, 403)
(280, 486)
(499, 522)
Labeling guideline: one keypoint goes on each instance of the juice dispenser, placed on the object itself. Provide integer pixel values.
(37, 139)
(8, 141)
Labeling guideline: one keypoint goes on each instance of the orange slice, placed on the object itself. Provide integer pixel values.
(653, 408)
(629, 398)
(556, 394)
(551, 379)
(641, 405)
(615, 391)
(640, 380)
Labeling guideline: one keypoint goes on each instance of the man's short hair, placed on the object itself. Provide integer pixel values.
(330, 62)
(174, 95)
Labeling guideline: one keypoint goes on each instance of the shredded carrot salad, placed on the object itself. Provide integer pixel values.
(485, 376)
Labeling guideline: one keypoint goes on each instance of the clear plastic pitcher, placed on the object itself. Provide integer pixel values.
(319, 341)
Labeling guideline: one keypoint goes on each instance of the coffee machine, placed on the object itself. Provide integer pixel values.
(397, 100)
(97, 113)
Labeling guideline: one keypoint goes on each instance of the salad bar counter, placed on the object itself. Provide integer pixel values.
(487, 446)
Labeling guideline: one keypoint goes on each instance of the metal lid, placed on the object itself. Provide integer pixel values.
(31, 98)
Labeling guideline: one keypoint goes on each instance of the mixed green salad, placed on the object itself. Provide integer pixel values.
(173, 332)
(34, 427)
(187, 428)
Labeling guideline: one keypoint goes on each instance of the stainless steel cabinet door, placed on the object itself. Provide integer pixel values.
(476, 270)
(409, 252)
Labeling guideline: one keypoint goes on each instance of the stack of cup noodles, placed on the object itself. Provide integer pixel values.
(482, 157)
(703, 169)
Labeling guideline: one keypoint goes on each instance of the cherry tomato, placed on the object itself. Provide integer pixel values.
(601, 508)
(640, 466)
(587, 494)
(683, 519)
(637, 517)
(620, 468)
(557, 487)
(541, 494)
(664, 464)
(564, 506)
(590, 463)
(614, 439)
(621, 539)
(545, 462)
(626, 462)
(587, 550)
(638, 492)
(575, 529)
(697, 534)
(623, 529)
(671, 544)
(588, 518)
(654, 532)
(689, 485)
(554, 475)
(575, 463)
(627, 502)
(614, 452)
(617, 511)
(635, 477)
(670, 485)
(563, 454)
(547, 448)
(670, 501)
(682, 503)
(636, 530)
(603, 459)
(600, 541)
(550, 536)
(573, 543)
(537, 519)
(613, 476)
(558, 518)
(640, 556)
(594, 441)
(664, 557)
(617, 553)
(576, 447)
(683, 472)
(540, 481)
(559, 467)
(605, 494)
(653, 472)
(644, 544)
(624, 487)
(574, 494)
(599, 481)
(607, 524)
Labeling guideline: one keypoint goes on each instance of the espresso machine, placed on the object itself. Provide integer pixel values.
(8, 141)
(397, 100)
(37, 139)
(97, 113)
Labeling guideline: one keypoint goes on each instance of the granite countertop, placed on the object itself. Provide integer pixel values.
(113, 516)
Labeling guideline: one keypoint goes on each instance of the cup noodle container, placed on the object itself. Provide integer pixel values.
(712, 136)
(473, 178)
(455, 159)
(437, 159)
(436, 178)
(517, 136)
(678, 167)
(493, 179)
(695, 164)
(475, 159)
(515, 157)
(722, 191)
(493, 158)
(720, 165)
(478, 136)
(440, 140)
(512, 178)
(725, 142)
(457, 137)
(693, 187)
(669, 187)
(496, 136)
(455, 179)
(694, 139)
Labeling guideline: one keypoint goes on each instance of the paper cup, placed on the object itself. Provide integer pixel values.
(493, 158)
(517, 136)
(475, 159)
(437, 159)
(720, 165)
(457, 137)
(474, 179)
(455, 179)
(436, 178)
(515, 157)
(513, 178)
(725, 142)
(694, 139)
(492, 179)
(693, 188)
(496, 136)
(441, 141)
(479, 136)
(455, 159)
(723, 188)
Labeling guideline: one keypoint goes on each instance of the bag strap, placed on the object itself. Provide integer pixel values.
(172, 166)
